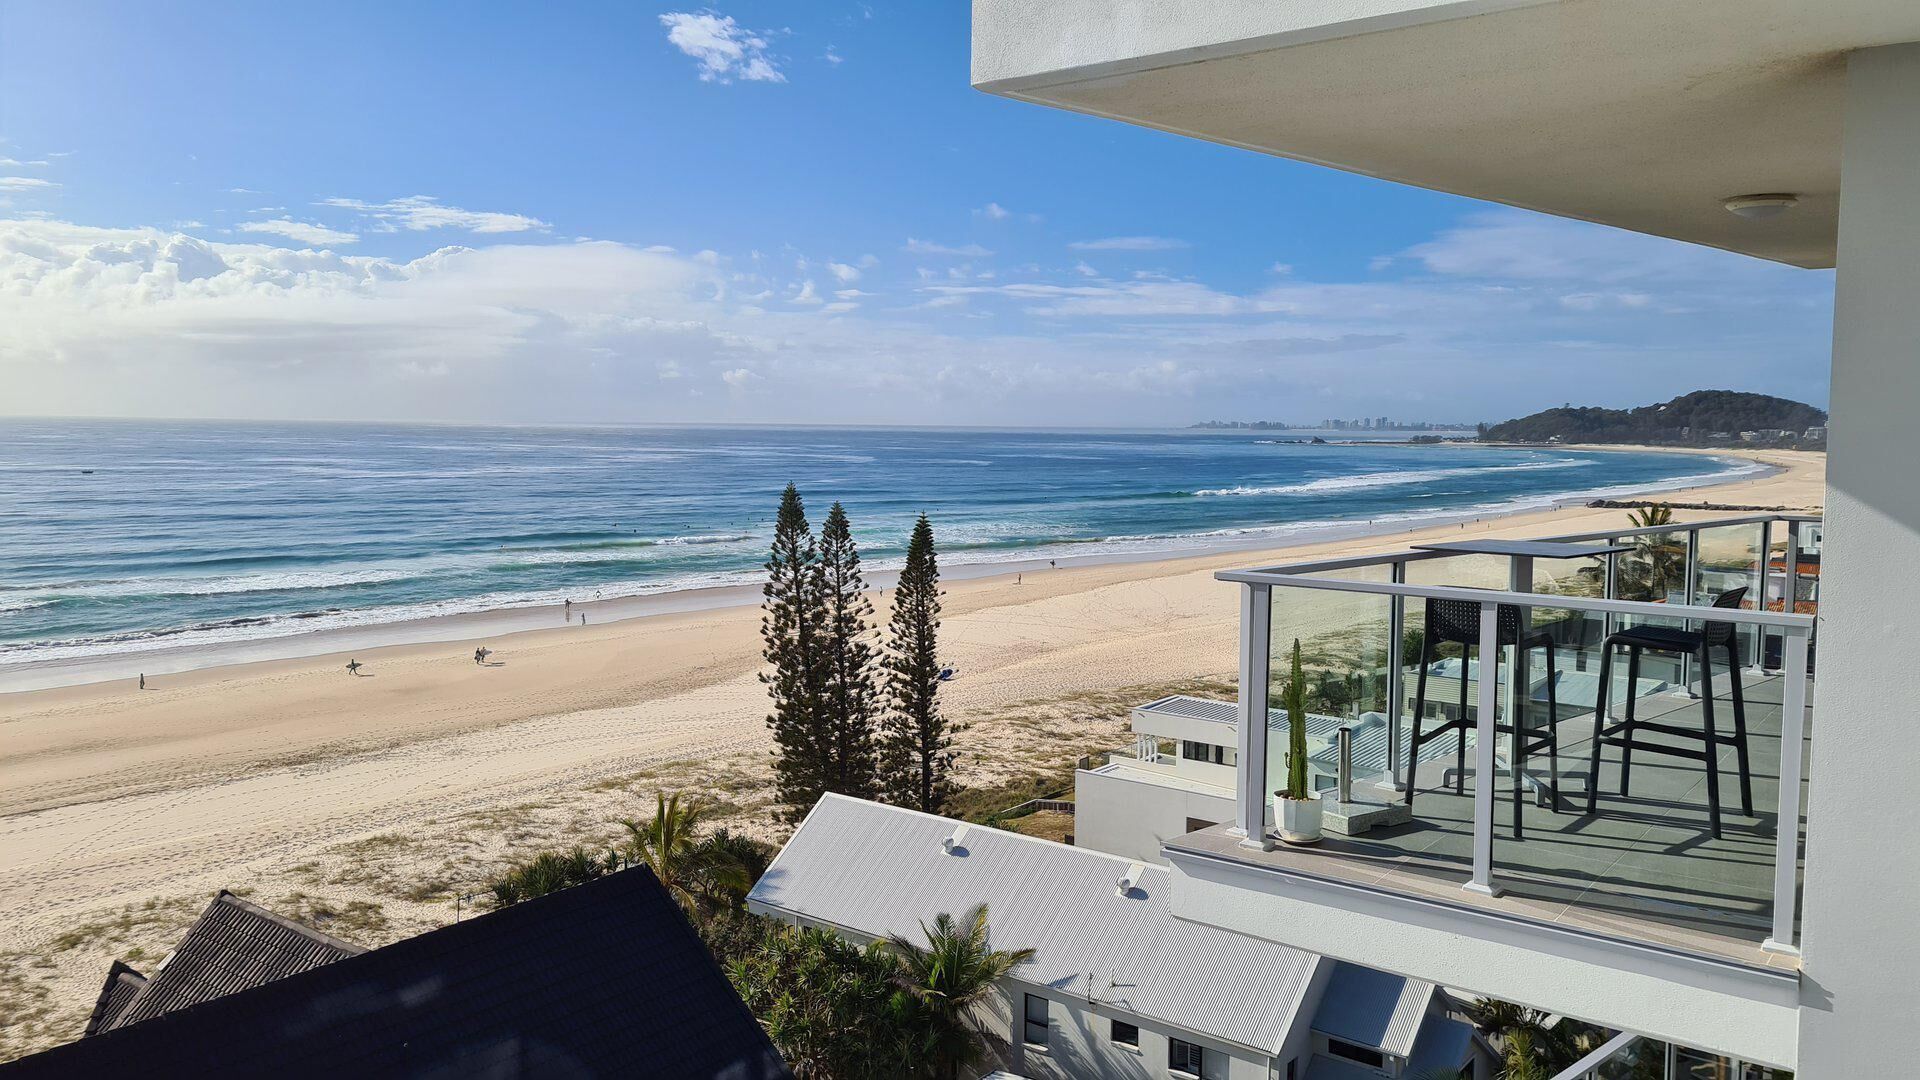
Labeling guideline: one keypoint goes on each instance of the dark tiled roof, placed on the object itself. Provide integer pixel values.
(122, 984)
(603, 979)
(233, 946)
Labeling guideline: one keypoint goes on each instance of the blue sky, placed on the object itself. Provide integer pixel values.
(762, 212)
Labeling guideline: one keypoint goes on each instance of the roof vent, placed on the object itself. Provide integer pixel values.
(1131, 878)
(952, 842)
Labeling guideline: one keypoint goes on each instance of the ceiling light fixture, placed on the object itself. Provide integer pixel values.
(1760, 207)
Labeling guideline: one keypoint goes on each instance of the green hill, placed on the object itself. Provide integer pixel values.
(1689, 420)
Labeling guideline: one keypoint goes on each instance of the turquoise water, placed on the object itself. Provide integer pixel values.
(187, 533)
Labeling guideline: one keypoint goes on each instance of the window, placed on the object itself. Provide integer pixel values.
(1207, 752)
(1355, 1052)
(1184, 1057)
(1036, 1020)
(1126, 1034)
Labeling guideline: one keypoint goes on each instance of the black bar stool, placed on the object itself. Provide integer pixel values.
(1458, 621)
(1674, 641)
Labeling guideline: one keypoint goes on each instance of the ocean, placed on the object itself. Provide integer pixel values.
(118, 536)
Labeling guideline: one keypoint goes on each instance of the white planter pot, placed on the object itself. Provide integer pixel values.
(1299, 819)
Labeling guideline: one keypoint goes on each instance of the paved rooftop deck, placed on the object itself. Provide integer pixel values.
(1644, 868)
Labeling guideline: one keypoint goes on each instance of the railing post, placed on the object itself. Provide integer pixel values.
(1484, 784)
(1611, 590)
(1786, 840)
(1791, 603)
(1256, 613)
(1689, 587)
(1396, 674)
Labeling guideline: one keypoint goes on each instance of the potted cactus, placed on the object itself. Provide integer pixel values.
(1296, 808)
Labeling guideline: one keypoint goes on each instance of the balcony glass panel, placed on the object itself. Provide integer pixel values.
(1344, 639)
(1729, 557)
(1647, 854)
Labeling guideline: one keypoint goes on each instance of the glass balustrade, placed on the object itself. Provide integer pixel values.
(1647, 857)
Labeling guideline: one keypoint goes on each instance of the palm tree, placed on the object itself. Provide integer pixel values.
(1654, 567)
(669, 844)
(952, 974)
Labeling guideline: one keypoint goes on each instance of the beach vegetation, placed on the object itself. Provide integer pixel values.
(698, 871)
(550, 871)
(837, 1010)
(917, 755)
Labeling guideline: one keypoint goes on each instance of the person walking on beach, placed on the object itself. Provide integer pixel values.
(480, 654)
(143, 680)
(568, 610)
(353, 667)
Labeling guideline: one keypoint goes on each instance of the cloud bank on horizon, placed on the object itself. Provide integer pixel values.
(761, 224)
(156, 321)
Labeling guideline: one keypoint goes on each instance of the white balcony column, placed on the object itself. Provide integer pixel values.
(1250, 777)
(1484, 784)
(1859, 946)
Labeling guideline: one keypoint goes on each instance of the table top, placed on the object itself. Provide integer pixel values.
(1533, 549)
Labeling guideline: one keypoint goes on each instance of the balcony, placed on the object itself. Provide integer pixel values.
(1566, 900)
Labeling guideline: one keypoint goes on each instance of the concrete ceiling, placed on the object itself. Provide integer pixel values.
(1643, 114)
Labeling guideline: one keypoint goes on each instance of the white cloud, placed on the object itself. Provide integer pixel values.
(241, 191)
(806, 295)
(723, 48)
(739, 378)
(154, 322)
(832, 57)
(1129, 243)
(25, 183)
(993, 211)
(16, 163)
(299, 231)
(422, 212)
(928, 247)
(843, 272)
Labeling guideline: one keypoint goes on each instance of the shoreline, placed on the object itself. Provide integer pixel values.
(369, 805)
(28, 676)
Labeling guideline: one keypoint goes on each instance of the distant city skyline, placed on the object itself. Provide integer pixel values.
(762, 214)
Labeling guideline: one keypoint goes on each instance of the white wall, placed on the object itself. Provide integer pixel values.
(1130, 818)
(1080, 1047)
(1861, 936)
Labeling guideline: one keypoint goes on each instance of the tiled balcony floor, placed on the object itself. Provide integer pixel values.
(1644, 868)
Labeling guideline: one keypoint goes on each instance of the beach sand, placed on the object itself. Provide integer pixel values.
(368, 803)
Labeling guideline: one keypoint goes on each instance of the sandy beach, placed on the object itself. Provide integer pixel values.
(370, 803)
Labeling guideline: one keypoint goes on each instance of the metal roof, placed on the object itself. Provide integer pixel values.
(1193, 708)
(879, 870)
(1373, 1008)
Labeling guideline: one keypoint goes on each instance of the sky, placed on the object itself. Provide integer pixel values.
(763, 212)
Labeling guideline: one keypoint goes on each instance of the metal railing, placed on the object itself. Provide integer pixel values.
(1794, 630)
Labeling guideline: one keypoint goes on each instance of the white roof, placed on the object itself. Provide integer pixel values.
(1193, 708)
(1373, 1008)
(879, 870)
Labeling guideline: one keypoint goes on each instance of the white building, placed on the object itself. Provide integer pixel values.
(1725, 123)
(1118, 986)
